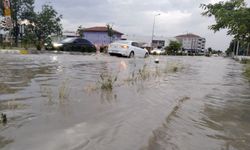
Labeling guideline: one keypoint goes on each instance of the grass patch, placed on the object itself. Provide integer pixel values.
(245, 61)
(247, 71)
(107, 81)
(90, 88)
(47, 92)
(144, 73)
(64, 91)
(247, 67)
(59, 96)
(11, 105)
(173, 68)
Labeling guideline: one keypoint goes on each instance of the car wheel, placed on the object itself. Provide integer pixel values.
(131, 55)
(146, 55)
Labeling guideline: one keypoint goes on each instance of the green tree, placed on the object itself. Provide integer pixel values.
(110, 32)
(243, 48)
(27, 10)
(210, 50)
(46, 23)
(233, 15)
(21, 10)
(80, 31)
(173, 47)
(231, 47)
(29, 38)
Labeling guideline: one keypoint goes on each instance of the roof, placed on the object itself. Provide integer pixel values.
(100, 29)
(188, 35)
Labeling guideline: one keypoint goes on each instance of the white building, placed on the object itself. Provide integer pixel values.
(158, 41)
(192, 43)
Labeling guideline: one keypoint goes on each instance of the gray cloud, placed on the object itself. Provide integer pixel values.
(136, 17)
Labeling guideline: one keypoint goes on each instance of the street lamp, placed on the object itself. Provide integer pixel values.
(153, 30)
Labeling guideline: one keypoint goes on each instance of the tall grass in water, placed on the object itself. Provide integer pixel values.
(144, 73)
(47, 92)
(64, 91)
(107, 81)
(11, 105)
(172, 68)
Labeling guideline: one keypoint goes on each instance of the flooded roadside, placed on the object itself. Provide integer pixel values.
(56, 102)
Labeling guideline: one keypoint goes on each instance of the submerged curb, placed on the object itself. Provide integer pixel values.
(12, 51)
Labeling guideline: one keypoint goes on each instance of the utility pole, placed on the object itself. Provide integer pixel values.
(153, 31)
(237, 50)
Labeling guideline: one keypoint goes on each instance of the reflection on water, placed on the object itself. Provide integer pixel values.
(4, 142)
(161, 138)
(182, 103)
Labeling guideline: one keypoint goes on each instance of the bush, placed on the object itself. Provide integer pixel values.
(38, 47)
(104, 49)
(247, 71)
(245, 61)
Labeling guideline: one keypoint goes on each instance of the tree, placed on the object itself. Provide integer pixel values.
(173, 47)
(46, 23)
(233, 15)
(243, 48)
(80, 31)
(29, 36)
(110, 32)
(20, 10)
(210, 50)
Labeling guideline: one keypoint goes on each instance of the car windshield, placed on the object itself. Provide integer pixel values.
(68, 40)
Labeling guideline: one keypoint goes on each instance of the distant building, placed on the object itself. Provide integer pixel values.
(99, 35)
(67, 34)
(162, 42)
(192, 43)
(159, 41)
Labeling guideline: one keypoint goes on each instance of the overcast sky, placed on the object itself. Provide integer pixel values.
(136, 17)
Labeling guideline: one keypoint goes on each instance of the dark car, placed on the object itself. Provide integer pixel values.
(75, 44)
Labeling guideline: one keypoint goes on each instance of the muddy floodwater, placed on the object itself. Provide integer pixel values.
(90, 102)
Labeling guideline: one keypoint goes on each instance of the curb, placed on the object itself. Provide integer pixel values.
(12, 51)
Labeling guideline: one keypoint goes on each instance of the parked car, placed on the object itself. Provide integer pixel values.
(158, 51)
(73, 44)
(127, 48)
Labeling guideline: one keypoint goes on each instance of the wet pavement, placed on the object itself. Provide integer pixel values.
(57, 102)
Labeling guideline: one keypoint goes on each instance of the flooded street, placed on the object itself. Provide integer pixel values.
(59, 102)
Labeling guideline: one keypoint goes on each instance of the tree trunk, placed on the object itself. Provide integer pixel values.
(237, 50)
(248, 49)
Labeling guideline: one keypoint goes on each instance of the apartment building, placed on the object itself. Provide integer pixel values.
(192, 43)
